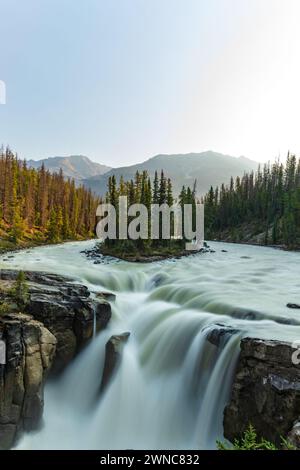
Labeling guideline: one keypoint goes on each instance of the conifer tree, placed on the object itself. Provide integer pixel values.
(155, 197)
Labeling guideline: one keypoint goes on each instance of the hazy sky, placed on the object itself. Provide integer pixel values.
(123, 80)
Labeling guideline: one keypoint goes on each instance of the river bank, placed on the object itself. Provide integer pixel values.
(8, 247)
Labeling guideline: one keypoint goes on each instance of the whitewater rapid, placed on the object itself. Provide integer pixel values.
(173, 384)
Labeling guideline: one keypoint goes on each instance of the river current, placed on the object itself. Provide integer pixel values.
(173, 384)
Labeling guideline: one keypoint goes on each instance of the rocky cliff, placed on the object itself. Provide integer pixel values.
(265, 392)
(30, 350)
(57, 322)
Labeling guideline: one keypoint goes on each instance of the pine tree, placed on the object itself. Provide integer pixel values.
(155, 197)
(162, 193)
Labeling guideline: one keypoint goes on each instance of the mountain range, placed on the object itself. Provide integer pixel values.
(207, 168)
(78, 167)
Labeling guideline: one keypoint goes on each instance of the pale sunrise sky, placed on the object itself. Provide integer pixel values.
(123, 80)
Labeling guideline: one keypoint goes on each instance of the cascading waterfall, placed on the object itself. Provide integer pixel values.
(185, 319)
(158, 398)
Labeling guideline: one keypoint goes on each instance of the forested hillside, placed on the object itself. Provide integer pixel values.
(262, 207)
(38, 207)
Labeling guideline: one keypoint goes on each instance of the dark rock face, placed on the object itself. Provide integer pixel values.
(30, 350)
(266, 391)
(220, 334)
(113, 355)
(66, 309)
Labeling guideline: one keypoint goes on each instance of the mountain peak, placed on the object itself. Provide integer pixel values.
(78, 167)
(208, 168)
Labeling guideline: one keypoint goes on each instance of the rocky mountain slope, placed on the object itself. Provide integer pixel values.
(208, 168)
(78, 167)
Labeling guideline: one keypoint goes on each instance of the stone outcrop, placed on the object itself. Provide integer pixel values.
(59, 319)
(266, 391)
(219, 334)
(113, 356)
(65, 308)
(30, 350)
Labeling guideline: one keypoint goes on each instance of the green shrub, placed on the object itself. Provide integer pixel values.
(4, 308)
(250, 441)
(19, 292)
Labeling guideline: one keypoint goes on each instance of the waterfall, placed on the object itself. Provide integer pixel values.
(158, 398)
(186, 319)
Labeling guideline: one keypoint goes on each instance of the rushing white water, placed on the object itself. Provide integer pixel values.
(172, 385)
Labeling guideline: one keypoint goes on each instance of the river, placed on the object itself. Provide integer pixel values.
(172, 385)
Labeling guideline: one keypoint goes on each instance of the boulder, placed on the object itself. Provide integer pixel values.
(113, 355)
(265, 392)
(219, 334)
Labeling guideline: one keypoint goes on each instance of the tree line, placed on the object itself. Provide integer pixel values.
(264, 202)
(35, 204)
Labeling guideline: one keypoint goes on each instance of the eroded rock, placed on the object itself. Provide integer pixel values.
(220, 334)
(30, 351)
(65, 308)
(113, 355)
(59, 320)
(266, 391)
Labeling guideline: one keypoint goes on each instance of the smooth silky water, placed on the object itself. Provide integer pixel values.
(173, 384)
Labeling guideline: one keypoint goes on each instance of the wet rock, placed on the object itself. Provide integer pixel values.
(158, 279)
(265, 392)
(66, 309)
(295, 306)
(219, 335)
(106, 295)
(30, 351)
(59, 320)
(68, 312)
(113, 355)
(246, 314)
(294, 435)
